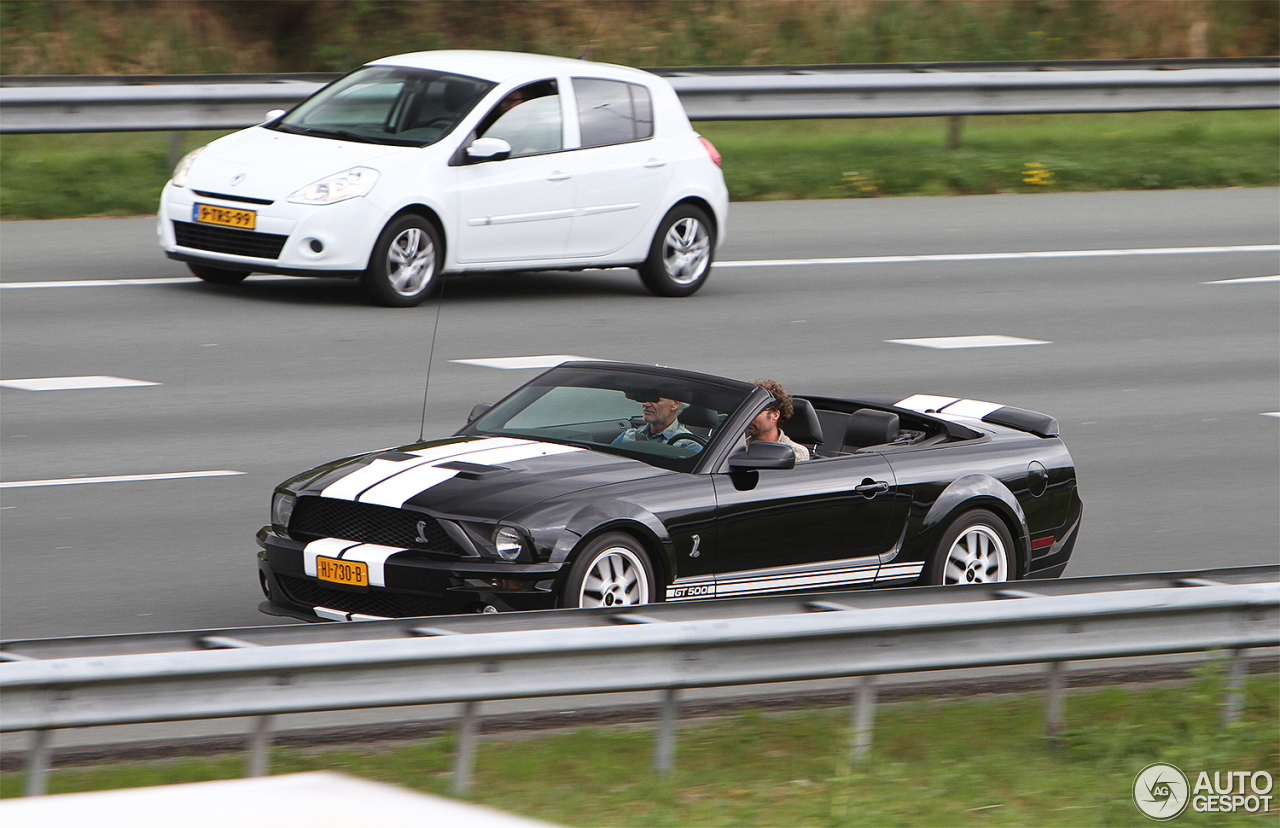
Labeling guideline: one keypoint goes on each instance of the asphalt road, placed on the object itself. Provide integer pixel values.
(1162, 383)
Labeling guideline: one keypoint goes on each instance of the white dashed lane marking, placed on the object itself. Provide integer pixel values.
(952, 342)
(1271, 413)
(122, 478)
(1249, 280)
(516, 362)
(72, 383)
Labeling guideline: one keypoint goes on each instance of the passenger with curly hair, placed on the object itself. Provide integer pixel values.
(767, 425)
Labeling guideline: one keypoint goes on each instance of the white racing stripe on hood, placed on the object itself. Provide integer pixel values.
(398, 489)
(328, 547)
(395, 491)
(351, 485)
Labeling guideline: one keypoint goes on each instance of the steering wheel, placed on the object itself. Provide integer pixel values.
(688, 435)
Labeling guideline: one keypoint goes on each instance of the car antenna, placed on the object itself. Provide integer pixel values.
(586, 50)
(431, 352)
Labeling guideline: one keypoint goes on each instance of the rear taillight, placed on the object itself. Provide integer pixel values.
(711, 150)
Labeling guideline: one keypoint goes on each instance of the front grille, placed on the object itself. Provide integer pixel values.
(324, 517)
(228, 240)
(225, 197)
(379, 602)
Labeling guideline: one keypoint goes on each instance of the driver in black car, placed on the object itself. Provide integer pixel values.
(661, 411)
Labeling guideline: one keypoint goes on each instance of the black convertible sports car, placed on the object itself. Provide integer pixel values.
(546, 500)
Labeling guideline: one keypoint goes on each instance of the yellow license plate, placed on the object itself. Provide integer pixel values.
(352, 573)
(208, 214)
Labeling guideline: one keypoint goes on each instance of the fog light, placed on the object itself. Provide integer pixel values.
(266, 587)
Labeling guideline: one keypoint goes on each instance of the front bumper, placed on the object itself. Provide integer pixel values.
(416, 585)
(344, 233)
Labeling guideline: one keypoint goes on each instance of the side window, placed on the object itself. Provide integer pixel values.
(528, 119)
(612, 112)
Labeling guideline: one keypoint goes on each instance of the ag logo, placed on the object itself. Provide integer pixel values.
(1161, 791)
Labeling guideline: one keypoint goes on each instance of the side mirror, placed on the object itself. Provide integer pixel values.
(477, 410)
(488, 149)
(273, 114)
(763, 455)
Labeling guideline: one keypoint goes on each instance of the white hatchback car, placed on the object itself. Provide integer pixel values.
(451, 161)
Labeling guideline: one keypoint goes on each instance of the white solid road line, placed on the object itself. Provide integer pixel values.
(984, 341)
(989, 257)
(932, 257)
(122, 478)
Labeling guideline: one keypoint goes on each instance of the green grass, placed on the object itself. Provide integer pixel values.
(971, 762)
(861, 158)
(65, 176)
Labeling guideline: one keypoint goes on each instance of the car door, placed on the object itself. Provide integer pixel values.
(621, 170)
(822, 525)
(521, 207)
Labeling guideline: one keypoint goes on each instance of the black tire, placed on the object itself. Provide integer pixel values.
(680, 256)
(217, 275)
(976, 548)
(404, 267)
(613, 570)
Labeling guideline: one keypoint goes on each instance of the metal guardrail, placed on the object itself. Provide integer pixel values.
(723, 608)
(725, 93)
(264, 681)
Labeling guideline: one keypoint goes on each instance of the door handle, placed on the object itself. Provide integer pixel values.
(654, 163)
(870, 488)
(559, 176)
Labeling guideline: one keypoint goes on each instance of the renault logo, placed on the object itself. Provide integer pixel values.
(236, 179)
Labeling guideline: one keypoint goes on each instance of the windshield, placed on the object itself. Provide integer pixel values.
(666, 420)
(387, 105)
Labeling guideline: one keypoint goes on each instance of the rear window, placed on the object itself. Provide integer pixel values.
(612, 112)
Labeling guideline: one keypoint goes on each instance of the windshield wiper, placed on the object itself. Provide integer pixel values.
(343, 134)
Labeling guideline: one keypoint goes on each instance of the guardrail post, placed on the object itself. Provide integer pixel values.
(864, 716)
(664, 752)
(1233, 692)
(38, 763)
(1054, 698)
(465, 759)
(259, 746)
(177, 139)
(955, 125)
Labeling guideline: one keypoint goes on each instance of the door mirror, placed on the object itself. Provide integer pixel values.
(763, 455)
(477, 411)
(273, 115)
(488, 149)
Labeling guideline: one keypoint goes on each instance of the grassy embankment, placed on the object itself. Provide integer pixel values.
(792, 769)
(61, 176)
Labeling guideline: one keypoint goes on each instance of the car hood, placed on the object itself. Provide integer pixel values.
(264, 163)
(484, 478)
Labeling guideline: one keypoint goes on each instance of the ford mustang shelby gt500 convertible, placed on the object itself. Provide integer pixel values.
(542, 501)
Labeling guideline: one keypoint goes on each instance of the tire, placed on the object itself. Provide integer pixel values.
(680, 257)
(612, 571)
(976, 549)
(405, 265)
(217, 275)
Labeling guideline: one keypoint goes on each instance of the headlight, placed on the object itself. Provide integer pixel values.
(282, 509)
(352, 183)
(184, 166)
(507, 543)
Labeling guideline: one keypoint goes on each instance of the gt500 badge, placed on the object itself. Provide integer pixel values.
(690, 591)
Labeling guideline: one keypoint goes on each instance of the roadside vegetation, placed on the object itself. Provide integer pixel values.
(65, 176)
(52, 176)
(977, 762)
